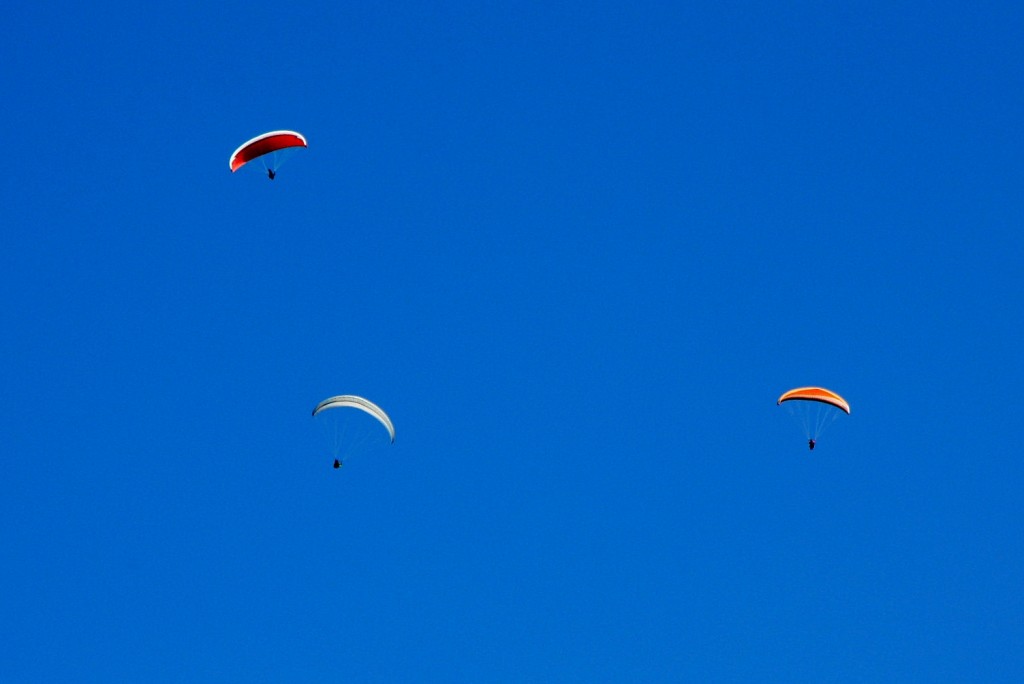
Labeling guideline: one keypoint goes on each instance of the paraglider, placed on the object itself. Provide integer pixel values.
(268, 147)
(815, 408)
(350, 432)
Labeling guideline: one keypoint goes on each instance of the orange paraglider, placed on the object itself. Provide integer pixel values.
(814, 408)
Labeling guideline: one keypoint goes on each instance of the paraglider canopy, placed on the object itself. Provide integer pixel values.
(264, 144)
(816, 394)
(352, 401)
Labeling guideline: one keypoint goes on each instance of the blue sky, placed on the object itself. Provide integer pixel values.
(576, 252)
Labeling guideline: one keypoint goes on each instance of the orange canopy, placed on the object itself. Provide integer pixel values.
(815, 394)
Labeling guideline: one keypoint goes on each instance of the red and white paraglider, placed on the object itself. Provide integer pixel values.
(269, 148)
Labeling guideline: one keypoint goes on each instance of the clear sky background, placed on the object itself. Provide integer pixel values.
(576, 250)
